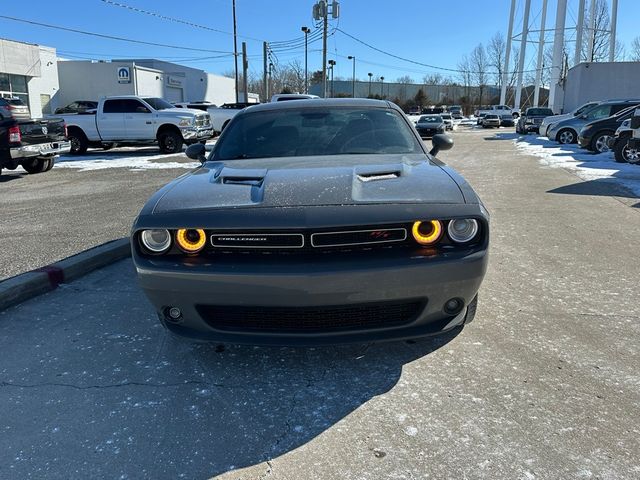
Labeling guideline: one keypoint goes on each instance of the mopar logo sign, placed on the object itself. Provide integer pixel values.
(124, 75)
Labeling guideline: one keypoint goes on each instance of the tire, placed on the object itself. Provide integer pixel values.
(38, 165)
(79, 142)
(599, 142)
(170, 141)
(52, 162)
(566, 136)
(623, 153)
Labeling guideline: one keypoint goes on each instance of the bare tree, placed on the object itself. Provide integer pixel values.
(432, 79)
(479, 68)
(406, 79)
(634, 54)
(600, 36)
(496, 53)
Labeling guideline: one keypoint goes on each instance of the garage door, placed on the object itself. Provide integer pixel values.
(173, 94)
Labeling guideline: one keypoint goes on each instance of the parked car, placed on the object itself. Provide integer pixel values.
(566, 131)
(13, 109)
(456, 111)
(430, 125)
(448, 120)
(432, 110)
(532, 119)
(595, 135)
(283, 97)
(619, 143)
(131, 120)
(316, 221)
(222, 115)
(480, 118)
(548, 121)
(500, 110)
(204, 106)
(79, 106)
(32, 144)
(491, 120)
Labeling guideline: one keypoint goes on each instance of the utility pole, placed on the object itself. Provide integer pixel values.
(505, 72)
(235, 47)
(245, 69)
(265, 83)
(543, 21)
(321, 12)
(306, 31)
(269, 80)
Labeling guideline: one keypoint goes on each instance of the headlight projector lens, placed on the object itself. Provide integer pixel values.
(428, 232)
(191, 240)
(462, 230)
(156, 241)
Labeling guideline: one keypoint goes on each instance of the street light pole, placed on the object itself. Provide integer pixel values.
(235, 47)
(306, 31)
(353, 81)
(370, 75)
(331, 65)
(382, 87)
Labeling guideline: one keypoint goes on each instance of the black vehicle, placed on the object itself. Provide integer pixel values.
(13, 108)
(314, 221)
(430, 125)
(79, 106)
(532, 118)
(33, 144)
(595, 135)
(432, 110)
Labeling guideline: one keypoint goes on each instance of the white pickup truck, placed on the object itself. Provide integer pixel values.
(223, 114)
(132, 120)
(503, 111)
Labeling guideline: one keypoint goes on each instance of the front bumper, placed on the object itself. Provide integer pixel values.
(40, 150)
(584, 142)
(507, 122)
(330, 284)
(197, 133)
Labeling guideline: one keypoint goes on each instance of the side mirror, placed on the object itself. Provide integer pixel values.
(441, 142)
(197, 151)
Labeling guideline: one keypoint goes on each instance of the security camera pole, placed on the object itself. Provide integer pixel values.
(321, 12)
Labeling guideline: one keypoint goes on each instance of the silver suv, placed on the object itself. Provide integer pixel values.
(13, 109)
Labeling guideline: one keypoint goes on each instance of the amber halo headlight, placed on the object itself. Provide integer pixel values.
(156, 241)
(462, 230)
(427, 232)
(191, 240)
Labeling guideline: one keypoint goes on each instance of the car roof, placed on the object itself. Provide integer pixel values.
(323, 103)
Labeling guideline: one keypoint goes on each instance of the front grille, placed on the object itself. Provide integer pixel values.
(358, 237)
(310, 319)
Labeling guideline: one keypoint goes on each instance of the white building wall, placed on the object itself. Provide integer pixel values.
(85, 80)
(600, 81)
(148, 82)
(45, 86)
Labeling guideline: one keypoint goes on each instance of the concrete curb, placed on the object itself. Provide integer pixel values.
(27, 285)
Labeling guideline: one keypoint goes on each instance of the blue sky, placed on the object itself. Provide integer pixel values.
(435, 32)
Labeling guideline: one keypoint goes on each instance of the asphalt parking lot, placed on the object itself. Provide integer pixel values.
(544, 384)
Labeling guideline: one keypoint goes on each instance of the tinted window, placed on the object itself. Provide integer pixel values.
(131, 106)
(618, 108)
(601, 111)
(586, 107)
(157, 103)
(316, 131)
(539, 111)
(112, 106)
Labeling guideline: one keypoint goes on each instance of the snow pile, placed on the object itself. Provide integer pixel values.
(586, 165)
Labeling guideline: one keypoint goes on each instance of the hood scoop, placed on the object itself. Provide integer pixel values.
(235, 176)
(372, 177)
(377, 173)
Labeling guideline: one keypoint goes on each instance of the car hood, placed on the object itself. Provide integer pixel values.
(311, 181)
(558, 118)
(185, 112)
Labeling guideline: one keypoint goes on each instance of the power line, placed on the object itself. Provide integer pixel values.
(110, 37)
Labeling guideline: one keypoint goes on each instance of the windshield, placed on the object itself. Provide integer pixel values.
(585, 108)
(316, 131)
(430, 119)
(158, 103)
(539, 111)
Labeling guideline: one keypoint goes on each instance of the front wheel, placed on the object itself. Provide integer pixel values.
(38, 165)
(79, 142)
(623, 153)
(170, 142)
(600, 142)
(566, 136)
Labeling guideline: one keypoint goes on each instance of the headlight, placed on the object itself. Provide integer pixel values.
(462, 230)
(156, 241)
(186, 122)
(427, 232)
(191, 240)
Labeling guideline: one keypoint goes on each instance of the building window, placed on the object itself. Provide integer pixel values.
(14, 86)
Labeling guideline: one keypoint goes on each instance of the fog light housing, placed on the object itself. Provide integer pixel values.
(191, 240)
(462, 230)
(156, 241)
(453, 306)
(427, 232)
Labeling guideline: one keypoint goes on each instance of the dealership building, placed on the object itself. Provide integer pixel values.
(44, 82)
(90, 80)
(29, 72)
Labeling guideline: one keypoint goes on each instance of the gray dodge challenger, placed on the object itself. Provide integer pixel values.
(310, 222)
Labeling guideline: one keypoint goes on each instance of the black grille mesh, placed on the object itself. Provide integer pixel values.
(310, 319)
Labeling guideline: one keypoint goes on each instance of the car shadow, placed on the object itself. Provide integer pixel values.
(4, 178)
